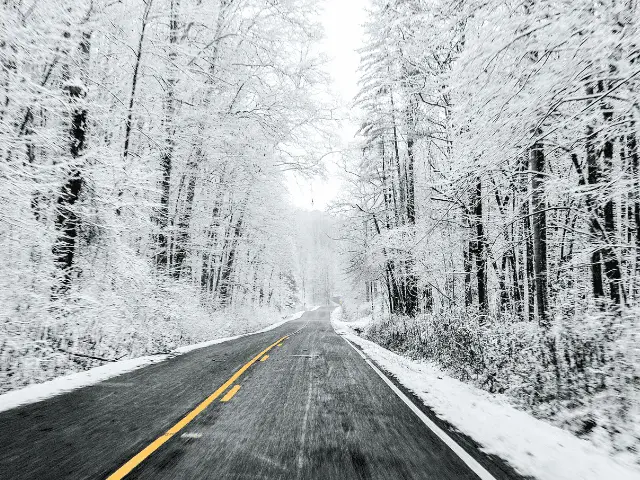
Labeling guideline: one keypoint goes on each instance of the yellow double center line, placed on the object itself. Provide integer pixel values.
(158, 442)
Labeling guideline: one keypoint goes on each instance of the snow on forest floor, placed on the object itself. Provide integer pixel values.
(41, 391)
(533, 447)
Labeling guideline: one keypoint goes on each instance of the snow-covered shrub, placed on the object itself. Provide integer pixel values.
(121, 309)
(582, 375)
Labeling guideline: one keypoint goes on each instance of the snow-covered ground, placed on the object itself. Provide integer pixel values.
(533, 447)
(195, 346)
(66, 383)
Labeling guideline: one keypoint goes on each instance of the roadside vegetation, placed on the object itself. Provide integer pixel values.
(143, 200)
(492, 218)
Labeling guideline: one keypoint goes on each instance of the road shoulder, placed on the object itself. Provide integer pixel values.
(68, 383)
(509, 442)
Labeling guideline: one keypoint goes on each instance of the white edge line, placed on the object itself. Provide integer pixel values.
(471, 462)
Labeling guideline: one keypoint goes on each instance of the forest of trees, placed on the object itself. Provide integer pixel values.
(317, 267)
(492, 218)
(144, 149)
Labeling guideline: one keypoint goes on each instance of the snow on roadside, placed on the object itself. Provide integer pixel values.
(195, 346)
(41, 391)
(531, 446)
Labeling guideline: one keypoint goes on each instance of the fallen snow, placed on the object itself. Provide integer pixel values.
(195, 346)
(531, 446)
(66, 383)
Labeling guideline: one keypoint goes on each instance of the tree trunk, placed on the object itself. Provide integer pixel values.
(226, 286)
(593, 178)
(184, 221)
(632, 152)
(399, 211)
(539, 232)
(166, 158)
(479, 247)
(609, 255)
(183, 236)
(134, 81)
(411, 296)
(67, 221)
(468, 294)
(411, 202)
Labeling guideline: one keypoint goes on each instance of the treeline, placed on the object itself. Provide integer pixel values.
(316, 256)
(144, 146)
(495, 197)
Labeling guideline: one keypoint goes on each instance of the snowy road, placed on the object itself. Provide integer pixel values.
(306, 407)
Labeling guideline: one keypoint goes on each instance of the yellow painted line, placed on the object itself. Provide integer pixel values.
(158, 442)
(264, 358)
(230, 393)
(280, 344)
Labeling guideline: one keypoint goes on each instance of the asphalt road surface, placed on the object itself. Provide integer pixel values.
(307, 407)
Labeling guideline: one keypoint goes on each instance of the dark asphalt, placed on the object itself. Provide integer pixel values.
(313, 409)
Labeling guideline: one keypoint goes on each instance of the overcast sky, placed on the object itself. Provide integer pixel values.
(342, 21)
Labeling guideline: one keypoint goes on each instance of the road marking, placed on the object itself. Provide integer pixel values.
(305, 420)
(158, 442)
(230, 393)
(280, 344)
(191, 435)
(471, 462)
(264, 358)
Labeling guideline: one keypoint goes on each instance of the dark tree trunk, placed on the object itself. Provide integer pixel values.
(539, 231)
(593, 178)
(609, 255)
(518, 293)
(396, 149)
(508, 267)
(602, 232)
(67, 221)
(411, 297)
(183, 236)
(226, 285)
(393, 288)
(632, 152)
(611, 264)
(166, 158)
(411, 209)
(479, 247)
(410, 164)
(516, 275)
(134, 81)
(529, 265)
(468, 294)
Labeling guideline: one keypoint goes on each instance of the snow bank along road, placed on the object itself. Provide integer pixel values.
(294, 402)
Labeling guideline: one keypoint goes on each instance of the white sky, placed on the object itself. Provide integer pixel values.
(342, 21)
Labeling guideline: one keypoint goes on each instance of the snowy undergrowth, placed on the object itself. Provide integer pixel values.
(590, 388)
(66, 383)
(533, 446)
(37, 353)
(123, 310)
